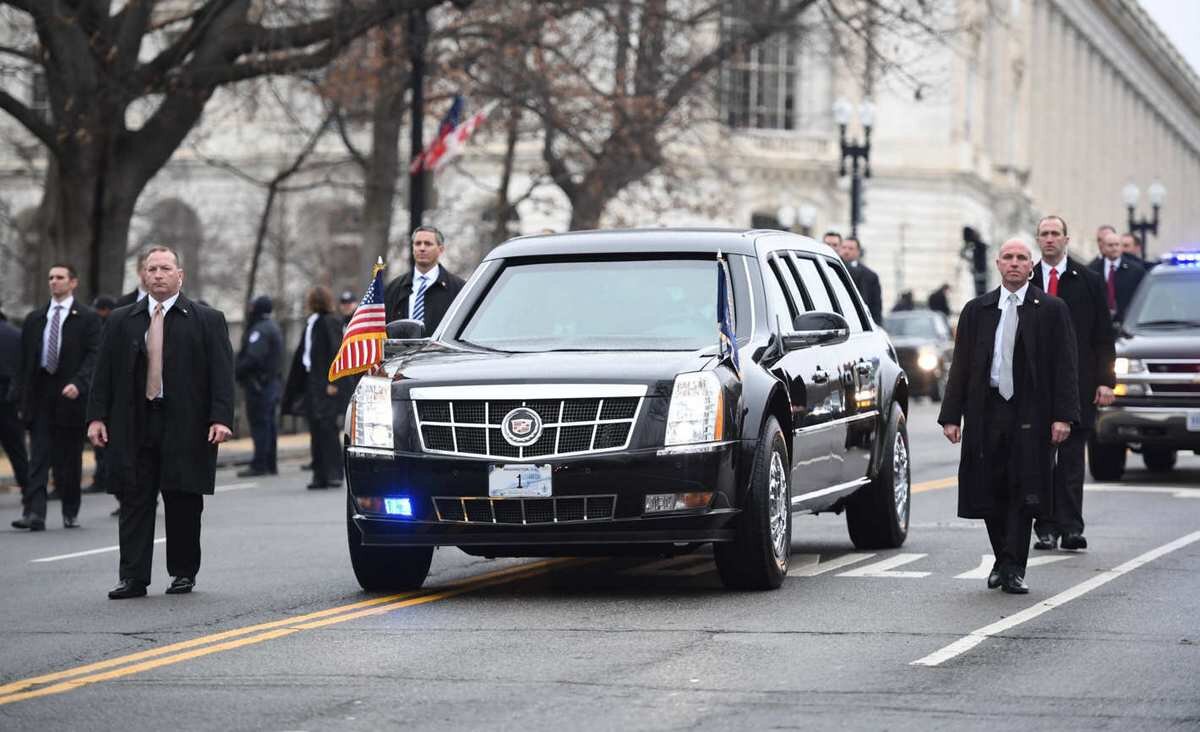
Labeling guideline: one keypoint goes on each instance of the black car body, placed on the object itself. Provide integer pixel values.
(1157, 407)
(924, 346)
(577, 399)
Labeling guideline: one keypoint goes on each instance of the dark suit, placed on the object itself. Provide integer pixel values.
(1006, 464)
(162, 446)
(55, 423)
(258, 371)
(1083, 292)
(128, 298)
(1128, 275)
(438, 297)
(12, 433)
(306, 394)
(868, 286)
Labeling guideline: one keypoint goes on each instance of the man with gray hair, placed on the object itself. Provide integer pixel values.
(426, 292)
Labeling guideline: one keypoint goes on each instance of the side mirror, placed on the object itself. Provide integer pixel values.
(816, 329)
(405, 329)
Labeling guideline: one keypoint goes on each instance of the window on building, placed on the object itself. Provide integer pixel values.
(760, 87)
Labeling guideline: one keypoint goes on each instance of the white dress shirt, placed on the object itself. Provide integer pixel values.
(66, 304)
(1061, 267)
(166, 306)
(306, 359)
(430, 277)
(994, 376)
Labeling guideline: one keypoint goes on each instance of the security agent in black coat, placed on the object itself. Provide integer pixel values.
(428, 245)
(309, 392)
(258, 371)
(1006, 468)
(1128, 274)
(52, 397)
(1083, 292)
(166, 444)
(12, 433)
(863, 276)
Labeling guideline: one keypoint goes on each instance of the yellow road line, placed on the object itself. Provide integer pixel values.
(15, 691)
(933, 485)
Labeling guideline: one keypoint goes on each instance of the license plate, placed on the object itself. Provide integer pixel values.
(519, 481)
(1193, 423)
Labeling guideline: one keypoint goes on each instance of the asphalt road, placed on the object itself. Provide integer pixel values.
(278, 635)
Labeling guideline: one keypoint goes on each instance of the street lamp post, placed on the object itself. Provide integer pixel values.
(856, 152)
(1143, 227)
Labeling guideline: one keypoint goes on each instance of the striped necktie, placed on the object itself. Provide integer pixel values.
(52, 340)
(417, 311)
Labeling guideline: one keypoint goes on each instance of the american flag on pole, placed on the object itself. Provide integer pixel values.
(436, 149)
(362, 343)
(454, 143)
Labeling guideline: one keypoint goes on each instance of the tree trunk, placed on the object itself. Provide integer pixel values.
(383, 168)
(586, 212)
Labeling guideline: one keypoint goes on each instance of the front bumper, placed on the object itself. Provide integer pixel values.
(1157, 426)
(628, 476)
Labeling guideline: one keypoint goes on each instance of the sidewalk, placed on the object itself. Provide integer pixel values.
(233, 451)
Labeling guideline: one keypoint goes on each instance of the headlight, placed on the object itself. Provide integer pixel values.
(372, 413)
(696, 412)
(927, 359)
(1123, 366)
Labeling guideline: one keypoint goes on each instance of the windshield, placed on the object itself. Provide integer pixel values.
(928, 326)
(1166, 302)
(635, 305)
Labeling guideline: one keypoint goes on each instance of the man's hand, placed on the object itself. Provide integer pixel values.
(70, 392)
(218, 433)
(1059, 432)
(1104, 396)
(97, 433)
(952, 433)
(331, 389)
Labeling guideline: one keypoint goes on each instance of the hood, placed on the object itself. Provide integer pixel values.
(908, 343)
(440, 365)
(1165, 343)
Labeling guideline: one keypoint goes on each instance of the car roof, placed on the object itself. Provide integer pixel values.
(659, 240)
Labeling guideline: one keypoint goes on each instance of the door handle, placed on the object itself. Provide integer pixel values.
(820, 377)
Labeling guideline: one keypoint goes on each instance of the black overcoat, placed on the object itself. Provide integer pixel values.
(438, 297)
(76, 359)
(198, 390)
(1045, 392)
(1083, 292)
(867, 282)
(305, 392)
(1129, 276)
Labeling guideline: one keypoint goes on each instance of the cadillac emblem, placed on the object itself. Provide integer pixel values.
(521, 427)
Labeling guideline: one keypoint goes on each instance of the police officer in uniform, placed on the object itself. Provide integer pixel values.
(258, 371)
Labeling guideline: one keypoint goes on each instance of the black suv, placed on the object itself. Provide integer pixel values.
(582, 397)
(1157, 408)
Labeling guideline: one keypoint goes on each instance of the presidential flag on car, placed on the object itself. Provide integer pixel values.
(362, 343)
(728, 341)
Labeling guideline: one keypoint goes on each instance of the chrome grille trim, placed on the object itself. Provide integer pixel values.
(594, 508)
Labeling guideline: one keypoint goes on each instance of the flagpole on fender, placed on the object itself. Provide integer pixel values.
(418, 34)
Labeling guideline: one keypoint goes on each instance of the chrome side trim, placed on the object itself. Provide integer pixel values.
(508, 392)
(692, 449)
(750, 289)
(835, 422)
(370, 452)
(831, 489)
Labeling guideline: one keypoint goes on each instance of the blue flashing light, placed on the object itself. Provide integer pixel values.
(1183, 258)
(398, 506)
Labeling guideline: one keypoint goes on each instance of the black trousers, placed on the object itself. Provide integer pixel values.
(1068, 487)
(261, 407)
(138, 507)
(12, 439)
(1010, 525)
(326, 452)
(53, 448)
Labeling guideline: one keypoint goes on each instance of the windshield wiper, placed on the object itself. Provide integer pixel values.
(1168, 323)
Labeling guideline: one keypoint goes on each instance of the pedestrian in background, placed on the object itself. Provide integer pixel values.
(1083, 292)
(426, 292)
(850, 250)
(347, 304)
(58, 353)
(161, 403)
(12, 434)
(905, 302)
(138, 293)
(939, 300)
(309, 392)
(1011, 400)
(1131, 246)
(257, 368)
(103, 305)
(1121, 274)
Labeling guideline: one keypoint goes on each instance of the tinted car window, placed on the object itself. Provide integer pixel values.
(777, 301)
(1166, 302)
(605, 305)
(814, 285)
(849, 308)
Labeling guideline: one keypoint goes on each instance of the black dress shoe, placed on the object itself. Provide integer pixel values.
(181, 586)
(93, 488)
(315, 486)
(116, 511)
(33, 524)
(126, 589)
(252, 473)
(1014, 584)
(1046, 541)
(54, 495)
(994, 578)
(1074, 541)
(70, 522)
(306, 466)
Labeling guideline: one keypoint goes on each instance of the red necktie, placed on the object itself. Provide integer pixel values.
(1053, 286)
(1112, 288)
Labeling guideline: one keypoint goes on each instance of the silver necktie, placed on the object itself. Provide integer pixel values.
(1008, 341)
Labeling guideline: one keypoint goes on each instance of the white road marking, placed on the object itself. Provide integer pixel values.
(975, 637)
(87, 553)
(986, 561)
(1175, 492)
(885, 567)
(235, 487)
(810, 565)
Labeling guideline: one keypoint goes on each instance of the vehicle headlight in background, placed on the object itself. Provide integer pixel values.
(696, 412)
(927, 359)
(1123, 366)
(371, 413)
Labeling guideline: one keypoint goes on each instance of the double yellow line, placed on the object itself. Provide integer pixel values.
(135, 663)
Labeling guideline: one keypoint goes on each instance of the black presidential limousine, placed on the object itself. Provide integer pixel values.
(583, 396)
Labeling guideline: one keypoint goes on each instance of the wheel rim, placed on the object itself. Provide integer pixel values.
(779, 506)
(900, 478)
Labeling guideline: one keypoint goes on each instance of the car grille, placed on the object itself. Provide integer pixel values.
(524, 511)
(1185, 371)
(471, 427)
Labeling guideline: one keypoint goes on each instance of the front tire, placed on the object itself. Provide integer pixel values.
(1158, 459)
(757, 558)
(1106, 462)
(385, 569)
(877, 515)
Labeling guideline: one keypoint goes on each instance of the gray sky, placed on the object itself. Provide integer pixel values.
(1180, 20)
